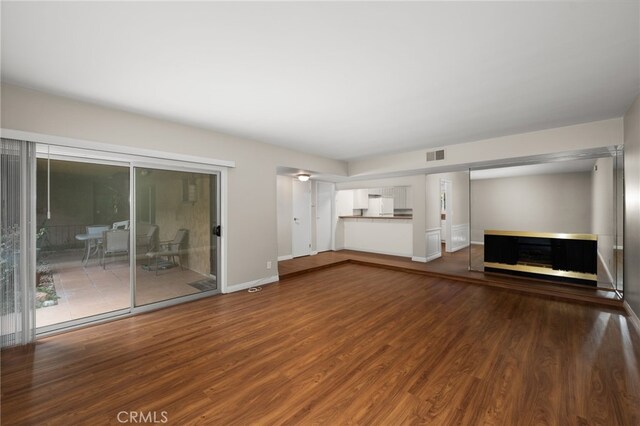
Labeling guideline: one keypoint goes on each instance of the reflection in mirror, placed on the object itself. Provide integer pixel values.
(447, 222)
(557, 221)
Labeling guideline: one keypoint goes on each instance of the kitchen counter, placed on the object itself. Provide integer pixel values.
(377, 234)
(378, 217)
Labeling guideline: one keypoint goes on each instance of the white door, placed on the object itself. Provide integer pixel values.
(301, 226)
(323, 216)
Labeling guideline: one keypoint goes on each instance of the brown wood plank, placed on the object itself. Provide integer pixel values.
(347, 344)
(452, 266)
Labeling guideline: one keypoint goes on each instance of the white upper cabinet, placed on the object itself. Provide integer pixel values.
(360, 198)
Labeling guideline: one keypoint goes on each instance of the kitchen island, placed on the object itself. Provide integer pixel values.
(378, 234)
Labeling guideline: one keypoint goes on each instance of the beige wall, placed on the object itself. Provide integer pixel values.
(417, 188)
(543, 203)
(632, 206)
(460, 204)
(562, 139)
(251, 230)
(285, 214)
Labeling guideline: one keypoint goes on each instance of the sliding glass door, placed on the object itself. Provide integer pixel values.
(82, 207)
(114, 238)
(176, 218)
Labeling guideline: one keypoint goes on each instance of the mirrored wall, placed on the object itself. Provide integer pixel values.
(559, 221)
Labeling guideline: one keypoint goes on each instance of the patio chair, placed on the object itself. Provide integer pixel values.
(114, 242)
(148, 241)
(171, 249)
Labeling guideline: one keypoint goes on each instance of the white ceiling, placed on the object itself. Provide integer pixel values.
(339, 79)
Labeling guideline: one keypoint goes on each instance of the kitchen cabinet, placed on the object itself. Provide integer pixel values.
(402, 197)
(380, 206)
(360, 198)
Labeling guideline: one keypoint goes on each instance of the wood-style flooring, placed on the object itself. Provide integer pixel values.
(348, 344)
(453, 266)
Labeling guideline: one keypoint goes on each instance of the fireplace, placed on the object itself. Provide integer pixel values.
(566, 257)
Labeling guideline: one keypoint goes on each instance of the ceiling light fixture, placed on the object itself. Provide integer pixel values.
(303, 177)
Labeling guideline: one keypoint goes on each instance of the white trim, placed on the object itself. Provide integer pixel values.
(433, 244)
(618, 247)
(419, 259)
(110, 148)
(313, 253)
(285, 257)
(606, 269)
(480, 243)
(633, 317)
(459, 237)
(254, 283)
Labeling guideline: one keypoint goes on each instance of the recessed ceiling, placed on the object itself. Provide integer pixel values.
(339, 79)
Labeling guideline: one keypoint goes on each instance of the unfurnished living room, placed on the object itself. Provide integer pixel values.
(299, 213)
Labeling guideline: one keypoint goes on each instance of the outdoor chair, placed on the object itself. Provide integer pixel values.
(114, 242)
(171, 249)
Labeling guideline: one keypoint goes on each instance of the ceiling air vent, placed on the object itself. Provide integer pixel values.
(435, 155)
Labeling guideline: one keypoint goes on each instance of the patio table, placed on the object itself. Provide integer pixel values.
(91, 240)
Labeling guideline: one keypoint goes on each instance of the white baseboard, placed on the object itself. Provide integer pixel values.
(285, 257)
(633, 317)
(433, 257)
(313, 253)
(606, 269)
(419, 259)
(249, 284)
(480, 243)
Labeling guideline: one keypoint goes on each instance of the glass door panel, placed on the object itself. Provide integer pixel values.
(82, 265)
(176, 215)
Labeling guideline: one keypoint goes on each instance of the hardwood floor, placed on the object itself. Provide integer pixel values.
(348, 344)
(453, 266)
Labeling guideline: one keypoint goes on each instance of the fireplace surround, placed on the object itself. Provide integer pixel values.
(563, 256)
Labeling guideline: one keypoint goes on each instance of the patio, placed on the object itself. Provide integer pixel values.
(92, 290)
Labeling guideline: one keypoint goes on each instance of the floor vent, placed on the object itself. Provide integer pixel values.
(435, 155)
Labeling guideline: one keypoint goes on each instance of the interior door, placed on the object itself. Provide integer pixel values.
(323, 216)
(301, 226)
